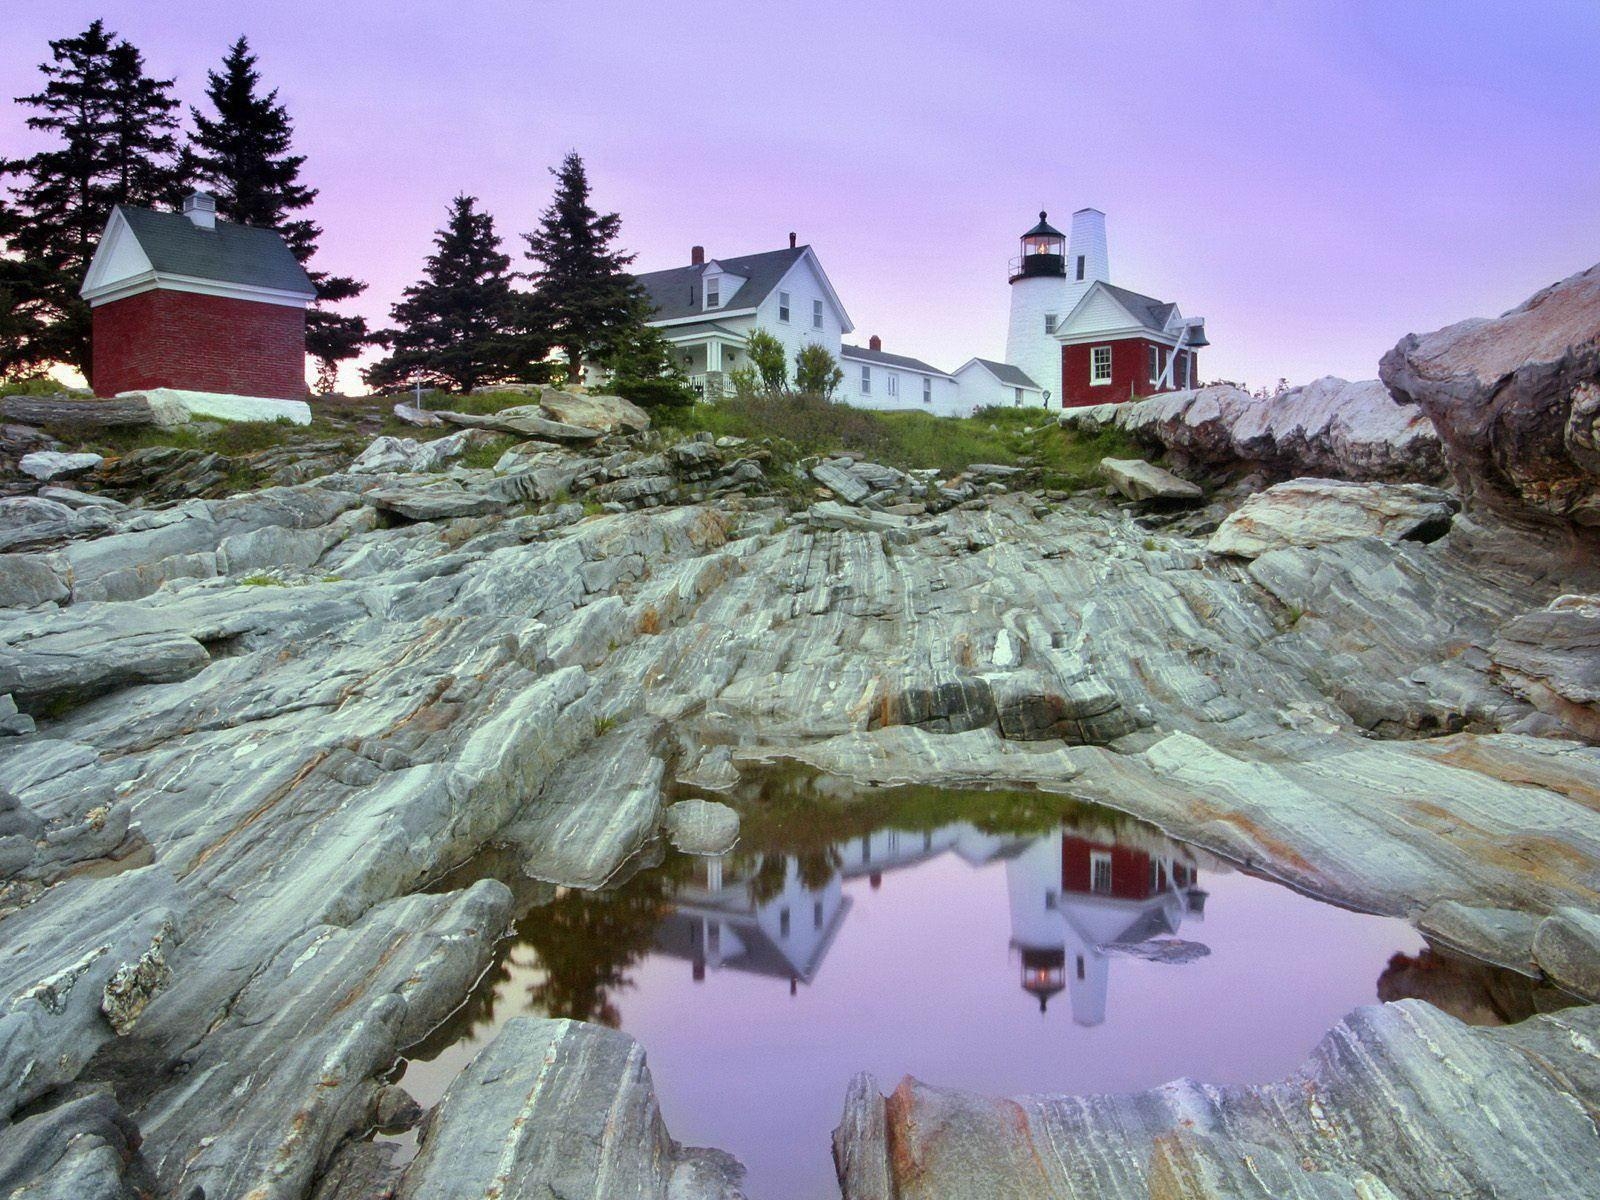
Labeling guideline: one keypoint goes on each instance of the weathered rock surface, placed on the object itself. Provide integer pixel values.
(53, 464)
(560, 1108)
(524, 421)
(175, 406)
(1330, 427)
(388, 454)
(608, 414)
(1397, 1101)
(1313, 512)
(1516, 400)
(701, 826)
(1551, 658)
(1139, 480)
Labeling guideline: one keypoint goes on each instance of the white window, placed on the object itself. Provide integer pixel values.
(816, 314)
(1100, 873)
(1183, 371)
(866, 381)
(783, 307)
(1050, 322)
(1080, 266)
(1100, 364)
(1016, 399)
(1155, 363)
(713, 293)
(927, 390)
(893, 385)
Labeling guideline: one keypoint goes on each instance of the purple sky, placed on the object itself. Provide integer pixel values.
(1316, 179)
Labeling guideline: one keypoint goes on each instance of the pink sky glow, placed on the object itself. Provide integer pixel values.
(1316, 179)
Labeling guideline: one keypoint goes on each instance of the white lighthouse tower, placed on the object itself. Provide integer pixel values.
(1047, 281)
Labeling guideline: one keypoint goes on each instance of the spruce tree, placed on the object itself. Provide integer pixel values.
(582, 298)
(242, 154)
(114, 127)
(455, 328)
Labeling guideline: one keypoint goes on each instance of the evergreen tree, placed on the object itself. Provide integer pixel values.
(644, 368)
(241, 154)
(456, 328)
(582, 297)
(115, 131)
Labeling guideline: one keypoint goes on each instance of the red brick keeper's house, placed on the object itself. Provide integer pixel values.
(184, 300)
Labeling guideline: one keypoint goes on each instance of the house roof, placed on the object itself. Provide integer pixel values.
(1007, 374)
(242, 255)
(1149, 312)
(676, 293)
(700, 329)
(862, 354)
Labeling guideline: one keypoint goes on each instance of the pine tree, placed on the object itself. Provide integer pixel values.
(582, 297)
(456, 326)
(242, 155)
(115, 129)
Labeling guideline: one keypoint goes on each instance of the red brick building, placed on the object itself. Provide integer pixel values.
(183, 300)
(1117, 344)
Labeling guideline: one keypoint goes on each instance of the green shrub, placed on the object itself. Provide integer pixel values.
(485, 454)
(654, 393)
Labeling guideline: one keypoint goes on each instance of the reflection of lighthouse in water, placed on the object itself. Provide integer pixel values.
(1078, 896)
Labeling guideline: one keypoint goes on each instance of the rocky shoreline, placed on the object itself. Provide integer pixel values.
(241, 736)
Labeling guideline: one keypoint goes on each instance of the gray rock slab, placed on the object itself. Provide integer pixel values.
(701, 826)
(54, 464)
(525, 421)
(1139, 480)
(1567, 947)
(1312, 512)
(560, 1108)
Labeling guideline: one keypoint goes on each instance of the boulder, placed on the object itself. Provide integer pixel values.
(1312, 512)
(420, 417)
(830, 514)
(1567, 947)
(53, 464)
(525, 421)
(837, 477)
(178, 406)
(435, 503)
(560, 1108)
(1516, 399)
(701, 826)
(1330, 427)
(59, 669)
(608, 414)
(1139, 480)
(392, 454)
(1551, 658)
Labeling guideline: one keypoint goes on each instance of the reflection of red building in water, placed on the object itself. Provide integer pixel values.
(1075, 894)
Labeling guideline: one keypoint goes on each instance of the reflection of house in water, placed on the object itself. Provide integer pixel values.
(722, 919)
(1076, 891)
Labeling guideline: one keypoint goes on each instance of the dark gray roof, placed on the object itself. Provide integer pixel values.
(240, 254)
(1006, 373)
(1044, 228)
(862, 354)
(676, 293)
(1147, 310)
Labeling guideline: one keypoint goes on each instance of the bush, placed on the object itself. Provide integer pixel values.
(654, 393)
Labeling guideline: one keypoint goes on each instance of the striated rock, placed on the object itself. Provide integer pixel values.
(1551, 658)
(54, 670)
(391, 454)
(85, 1147)
(394, 1109)
(901, 530)
(53, 464)
(701, 826)
(1393, 1102)
(1516, 400)
(1312, 512)
(524, 421)
(1330, 427)
(837, 477)
(1139, 480)
(608, 414)
(176, 406)
(1567, 947)
(434, 502)
(560, 1108)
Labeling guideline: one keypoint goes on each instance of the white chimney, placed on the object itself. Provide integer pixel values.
(1087, 258)
(201, 208)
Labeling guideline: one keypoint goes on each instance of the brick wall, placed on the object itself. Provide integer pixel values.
(201, 343)
(1130, 372)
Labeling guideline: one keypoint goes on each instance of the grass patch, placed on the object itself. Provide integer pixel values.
(481, 406)
(808, 425)
(261, 580)
(485, 454)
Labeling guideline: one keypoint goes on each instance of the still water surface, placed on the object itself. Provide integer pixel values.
(986, 941)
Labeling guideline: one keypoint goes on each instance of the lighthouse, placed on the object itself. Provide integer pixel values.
(1048, 278)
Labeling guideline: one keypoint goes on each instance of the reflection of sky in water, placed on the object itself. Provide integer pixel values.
(924, 974)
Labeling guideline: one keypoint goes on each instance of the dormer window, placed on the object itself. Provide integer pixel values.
(713, 293)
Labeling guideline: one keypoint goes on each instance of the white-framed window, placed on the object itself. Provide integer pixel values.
(892, 385)
(927, 390)
(866, 381)
(1182, 370)
(1100, 364)
(1080, 266)
(1100, 872)
(1016, 397)
(713, 293)
(783, 307)
(816, 314)
(1050, 322)
(1155, 363)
